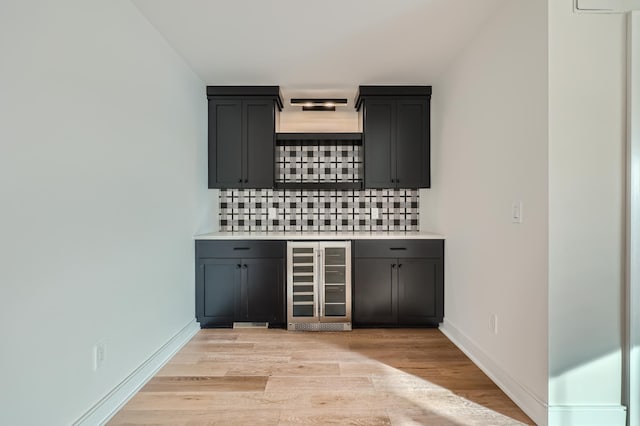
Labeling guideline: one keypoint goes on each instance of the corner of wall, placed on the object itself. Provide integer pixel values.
(525, 398)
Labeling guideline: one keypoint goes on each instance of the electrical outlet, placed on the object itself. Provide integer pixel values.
(516, 212)
(99, 355)
(493, 323)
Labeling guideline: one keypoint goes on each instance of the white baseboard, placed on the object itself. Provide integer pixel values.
(531, 404)
(573, 415)
(108, 406)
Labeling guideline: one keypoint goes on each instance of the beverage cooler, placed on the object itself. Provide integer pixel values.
(319, 286)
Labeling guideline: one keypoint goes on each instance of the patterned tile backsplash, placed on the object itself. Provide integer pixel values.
(320, 163)
(243, 210)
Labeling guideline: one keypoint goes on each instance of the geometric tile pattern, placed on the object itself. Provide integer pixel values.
(320, 163)
(267, 210)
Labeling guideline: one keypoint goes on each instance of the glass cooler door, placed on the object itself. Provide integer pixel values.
(302, 282)
(335, 281)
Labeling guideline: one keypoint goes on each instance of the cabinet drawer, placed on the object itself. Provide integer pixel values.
(246, 249)
(398, 248)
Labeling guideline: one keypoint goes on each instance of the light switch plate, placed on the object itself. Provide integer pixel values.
(516, 212)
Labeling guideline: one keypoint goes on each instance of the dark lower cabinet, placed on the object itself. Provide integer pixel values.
(398, 291)
(375, 292)
(232, 289)
(219, 281)
(419, 298)
(262, 290)
(396, 283)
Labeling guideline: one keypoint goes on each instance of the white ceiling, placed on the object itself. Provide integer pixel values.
(321, 47)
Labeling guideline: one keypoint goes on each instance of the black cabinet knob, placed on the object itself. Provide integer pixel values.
(244, 266)
(393, 266)
(240, 180)
(399, 265)
(238, 266)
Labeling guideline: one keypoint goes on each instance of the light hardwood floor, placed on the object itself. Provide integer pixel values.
(362, 377)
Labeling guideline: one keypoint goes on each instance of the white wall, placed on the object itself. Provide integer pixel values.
(489, 149)
(102, 185)
(586, 176)
(632, 294)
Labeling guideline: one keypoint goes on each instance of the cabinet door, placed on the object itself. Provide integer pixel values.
(261, 294)
(412, 143)
(375, 292)
(259, 132)
(379, 132)
(419, 291)
(217, 291)
(225, 143)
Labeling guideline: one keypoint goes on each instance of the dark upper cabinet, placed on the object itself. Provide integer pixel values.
(378, 135)
(242, 135)
(240, 281)
(404, 290)
(396, 135)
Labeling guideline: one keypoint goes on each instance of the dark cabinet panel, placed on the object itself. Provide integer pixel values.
(412, 143)
(407, 290)
(242, 136)
(248, 249)
(399, 248)
(396, 135)
(262, 290)
(240, 289)
(375, 300)
(260, 139)
(225, 143)
(379, 158)
(418, 295)
(216, 294)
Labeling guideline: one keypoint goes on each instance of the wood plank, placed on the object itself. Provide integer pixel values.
(205, 384)
(340, 400)
(203, 368)
(198, 417)
(331, 417)
(367, 368)
(306, 369)
(315, 384)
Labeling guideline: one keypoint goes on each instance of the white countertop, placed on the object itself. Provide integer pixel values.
(319, 236)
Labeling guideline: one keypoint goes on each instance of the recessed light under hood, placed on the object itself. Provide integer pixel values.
(318, 104)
